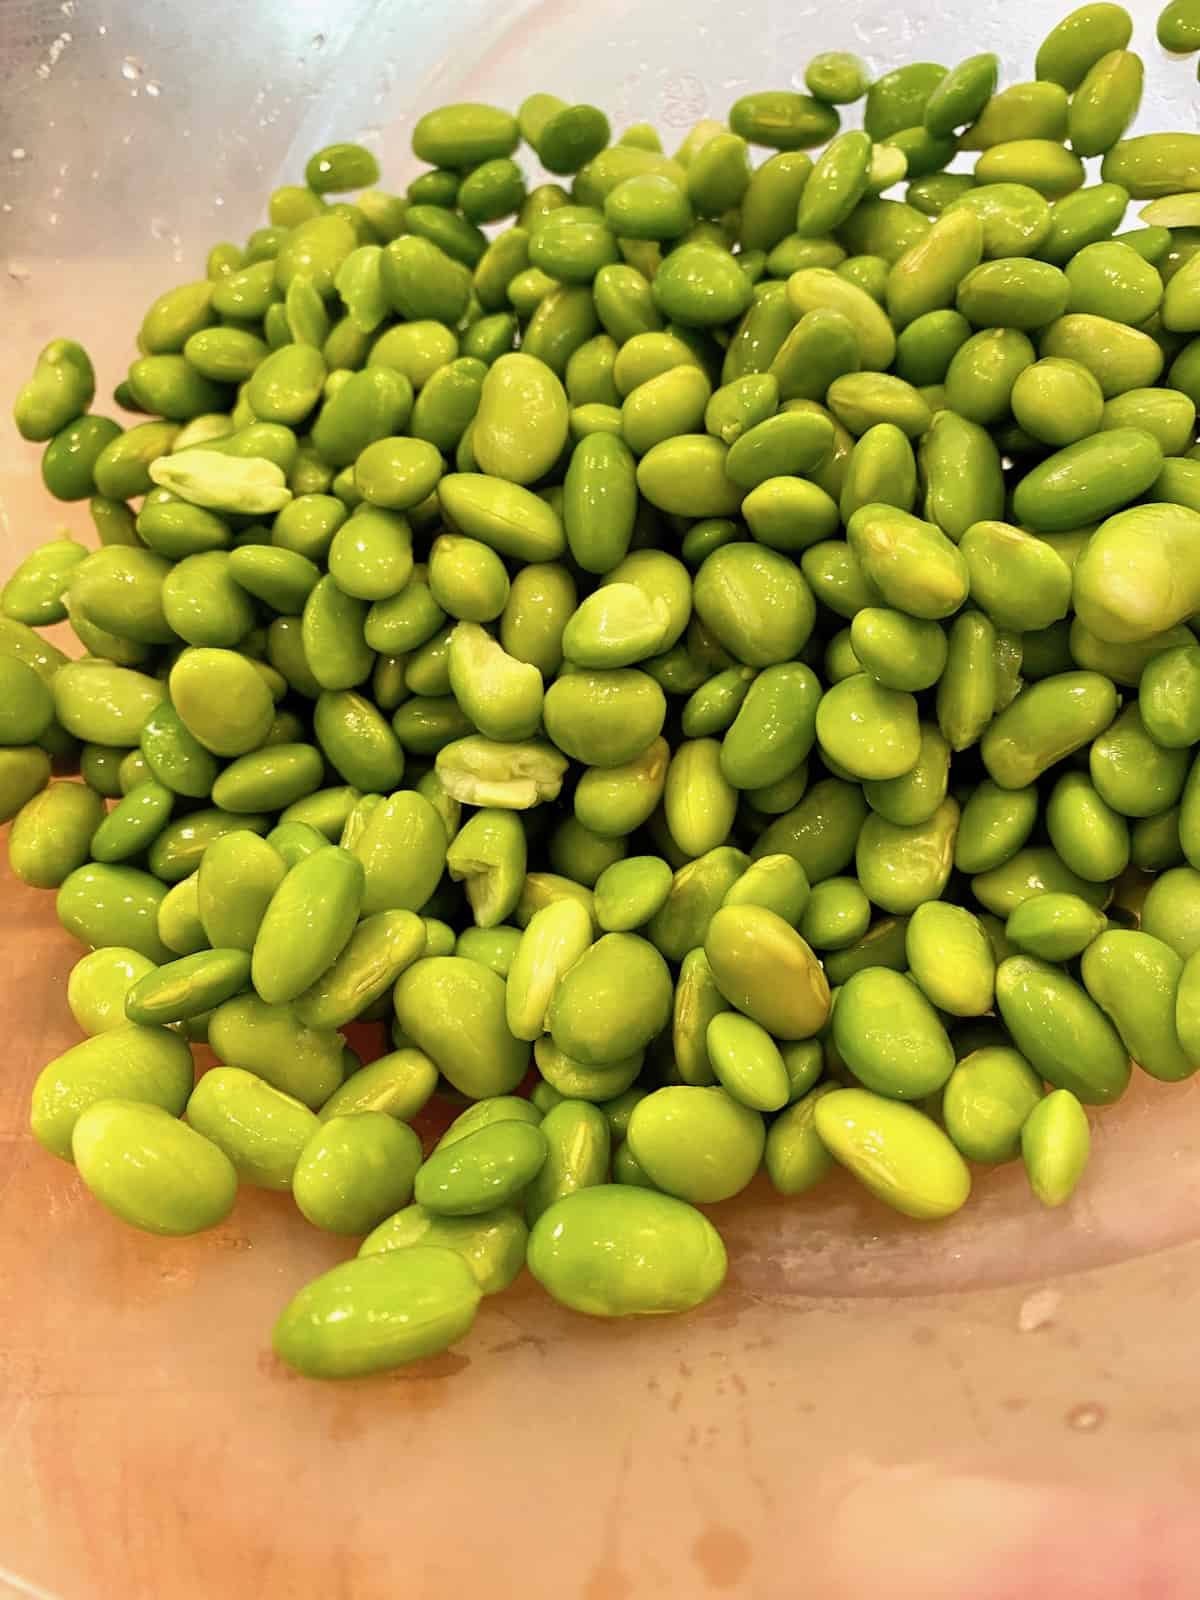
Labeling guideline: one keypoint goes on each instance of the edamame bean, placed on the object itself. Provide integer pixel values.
(260, 1129)
(1153, 164)
(584, 1016)
(453, 1010)
(950, 958)
(355, 1170)
(1089, 835)
(399, 1083)
(378, 951)
(152, 1170)
(747, 1062)
(99, 983)
(492, 1244)
(271, 1041)
(988, 1099)
(777, 882)
(659, 1254)
(1169, 911)
(1044, 724)
(307, 923)
(578, 1144)
(698, 1144)
(1055, 1145)
(1134, 978)
(1060, 1030)
(554, 939)
(52, 834)
(1054, 927)
(895, 1151)
(796, 1159)
(377, 1312)
(484, 1169)
(1139, 555)
(766, 970)
(870, 731)
(113, 905)
(917, 1057)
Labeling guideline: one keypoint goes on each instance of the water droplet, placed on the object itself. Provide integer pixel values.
(132, 68)
(18, 152)
(19, 271)
(1037, 1310)
(683, 101)
(318, 41)
(102, 30)
(53, 218)
(153, 88)
(218, 199)
(6, 208)
(67, 8)
(1086, 1417)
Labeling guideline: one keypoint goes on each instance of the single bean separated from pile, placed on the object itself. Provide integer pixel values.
(701, 652)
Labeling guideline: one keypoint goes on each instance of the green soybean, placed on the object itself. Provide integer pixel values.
(378, 1312)
(896, 1152)
(1055, 1145)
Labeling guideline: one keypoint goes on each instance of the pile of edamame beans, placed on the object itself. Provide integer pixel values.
(699, 651)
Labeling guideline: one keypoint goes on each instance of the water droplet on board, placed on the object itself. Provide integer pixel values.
(19, 271)
(1086, 1417)
(318, 41)
(683, 100)
(57, 46)
(132, 69)
(153, 88)
(1037, 1310)
(18, 152)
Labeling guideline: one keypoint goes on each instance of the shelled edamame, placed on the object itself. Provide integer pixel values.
(696, 652)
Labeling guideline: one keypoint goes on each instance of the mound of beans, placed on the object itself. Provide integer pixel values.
(702, 652)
